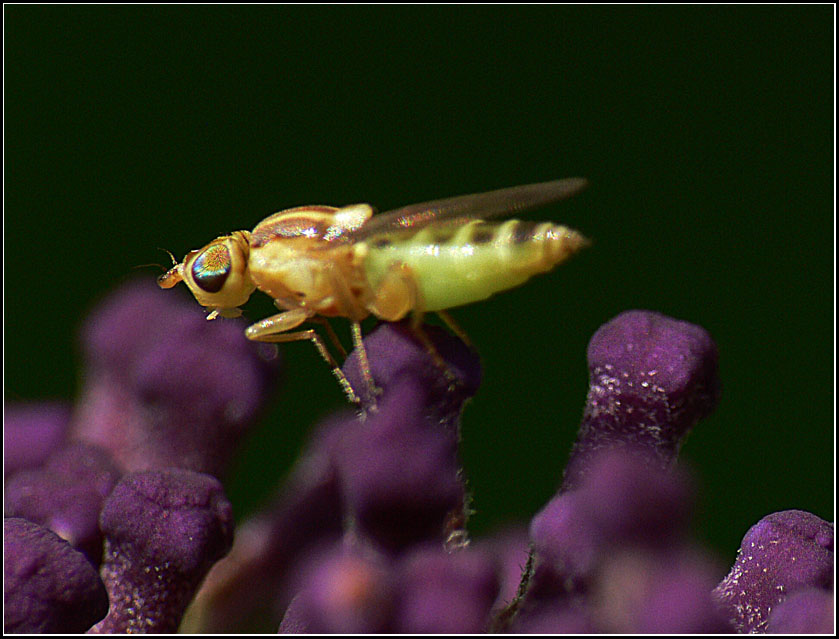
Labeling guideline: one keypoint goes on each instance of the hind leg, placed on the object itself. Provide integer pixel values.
(399, 294)
(455, 328)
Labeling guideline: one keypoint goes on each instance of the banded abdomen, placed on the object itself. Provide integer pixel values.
(456, 265)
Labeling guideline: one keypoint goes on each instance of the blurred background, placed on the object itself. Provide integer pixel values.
(706, 132)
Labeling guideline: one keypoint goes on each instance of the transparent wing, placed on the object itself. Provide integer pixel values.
(459, 209)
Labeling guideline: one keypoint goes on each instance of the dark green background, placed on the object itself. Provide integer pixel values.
(706, 133)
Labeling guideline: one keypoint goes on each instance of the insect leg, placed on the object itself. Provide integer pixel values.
(286, 304)
(272, 329)
(439, 362)
(397, 295)
(278, 323)
(364, 363)
(353, 309)
(330, 333)
(455, 328)
(311, 335)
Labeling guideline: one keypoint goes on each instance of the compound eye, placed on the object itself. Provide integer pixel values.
(211, 268)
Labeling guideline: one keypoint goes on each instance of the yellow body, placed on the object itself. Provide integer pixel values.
(323, 261)
(320, 261)
(468, 263)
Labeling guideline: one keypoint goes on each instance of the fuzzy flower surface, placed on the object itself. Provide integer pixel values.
(163, 530)
(164, 387)
(782, 554)
(121, 503)
(113, 509)
(48, 587)
(611, 551)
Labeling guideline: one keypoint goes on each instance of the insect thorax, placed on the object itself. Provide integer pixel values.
(291, 260)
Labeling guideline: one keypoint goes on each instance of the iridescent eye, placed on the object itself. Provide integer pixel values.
(211, 268)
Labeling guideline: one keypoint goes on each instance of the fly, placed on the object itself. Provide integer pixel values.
(321, 261)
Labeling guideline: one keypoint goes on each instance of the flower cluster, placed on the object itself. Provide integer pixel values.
(117, 520)
(114, 508)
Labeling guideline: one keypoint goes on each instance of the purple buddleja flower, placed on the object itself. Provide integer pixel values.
(163, 530)
(344, 590)
(399, 473)
(445, 592)
(784, 552)
(509, 547)
(622, 502)
(651, 379)
(567, 546)
(369, 532)
(164, 387)
(48, 587)
(615, 554)
(806, 611)
(569, 618)
(393, 348)
(31, 432)
(66, 494)
(398, 469)
(650, 591)
(628, 501)
(350, 588)
(378, 484)
(247, 591)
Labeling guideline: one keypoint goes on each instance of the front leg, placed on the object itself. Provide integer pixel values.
(279, 323)
(272, 329)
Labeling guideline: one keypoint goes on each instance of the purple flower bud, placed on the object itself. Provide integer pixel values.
(165, 387)
(163, 530)
(392, 478)
(651, 379)
(393, 348)
(343, 591)
(650, 592)
(622, 501)
(629, 501)
(567, 544)
(247, 590)
(239, 592)
(565, 618)
(624, 507)
(295, 620)
(509, 548)
(445, 592)
(398, 469)
(31, 432)
(48, 587)
(66, 495)
(806, 611)
(784, 552)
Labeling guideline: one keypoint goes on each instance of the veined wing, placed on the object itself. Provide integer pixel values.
(462, 208)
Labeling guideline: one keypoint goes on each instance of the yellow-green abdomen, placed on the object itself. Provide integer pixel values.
(456, 265)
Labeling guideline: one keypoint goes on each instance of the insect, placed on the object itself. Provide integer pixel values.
(321, 261)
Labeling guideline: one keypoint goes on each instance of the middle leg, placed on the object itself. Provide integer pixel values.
(351, 307)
